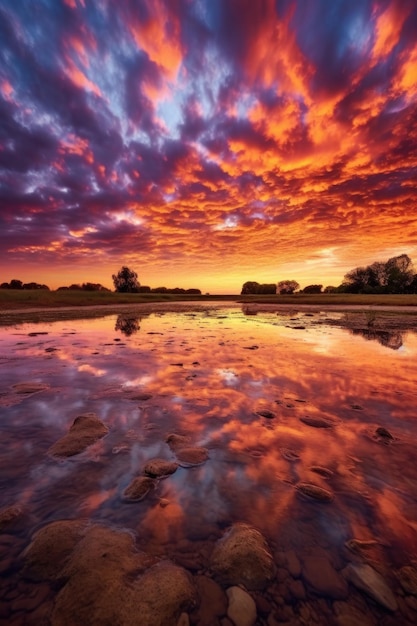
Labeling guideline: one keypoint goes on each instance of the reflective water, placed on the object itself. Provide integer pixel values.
(210, 374)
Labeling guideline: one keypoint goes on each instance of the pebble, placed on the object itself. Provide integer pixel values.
(407, 577)
(192, 456)
(310, 491)
(159, 468)
(138, 489)
(322, 577)
(242, 608)
(317, 422)
(365, 578)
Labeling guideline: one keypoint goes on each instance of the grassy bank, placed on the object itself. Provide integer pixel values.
(27, 299)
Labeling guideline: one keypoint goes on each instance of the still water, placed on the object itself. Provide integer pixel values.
(277, 400)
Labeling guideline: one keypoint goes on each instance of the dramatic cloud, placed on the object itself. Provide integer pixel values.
(206, 143)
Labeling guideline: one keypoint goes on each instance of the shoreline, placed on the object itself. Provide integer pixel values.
(381, 317)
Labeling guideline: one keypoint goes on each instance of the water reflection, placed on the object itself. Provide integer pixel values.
(393, 340)
(200, 376)
(127, 325)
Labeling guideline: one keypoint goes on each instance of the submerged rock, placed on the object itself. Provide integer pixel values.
(192, 456)
(241, 557)
(407, 577)
(85, 430)
(242, 608)
(266, 413)
(50, 549)
(138, 489)
(106, 580)
(9, 516)
(317, 422)
(322, 471)
(28, 388)
(177, 441)
(158, 468)
(365, 578)
(322, 577)
(383, 434)
(311, 491)
(289, 455)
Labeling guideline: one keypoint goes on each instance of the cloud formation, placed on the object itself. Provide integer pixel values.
(203, 135)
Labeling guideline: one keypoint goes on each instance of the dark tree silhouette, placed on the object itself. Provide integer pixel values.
(287, 286)
(127, 325)
(126, 281)
(312, 289)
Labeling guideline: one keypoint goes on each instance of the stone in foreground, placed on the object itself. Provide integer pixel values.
(364, 577)
(85, 430)
(241, 557)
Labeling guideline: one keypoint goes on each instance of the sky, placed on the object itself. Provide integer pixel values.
(206, 143)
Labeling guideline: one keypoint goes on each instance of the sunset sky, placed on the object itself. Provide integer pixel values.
(205, 143)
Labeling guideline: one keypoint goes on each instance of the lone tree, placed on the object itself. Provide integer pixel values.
(126, 281)
(287, 286)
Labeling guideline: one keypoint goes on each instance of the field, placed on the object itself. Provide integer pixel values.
(29, 299)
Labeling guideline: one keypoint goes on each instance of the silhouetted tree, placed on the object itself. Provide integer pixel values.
(287, 286)
(330, 289)
(394, 276)
(15, 284)
(312, 289)
(126, 281)
(250, 287)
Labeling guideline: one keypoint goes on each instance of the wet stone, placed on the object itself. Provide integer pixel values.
(310, 491)
(322, 471)
(159, 468)
(242, 608)
(213, 601)
(192, 456)
(138, 489)
(29, 388)
(317, 422)
(324, 580)
(177, 441)
(382, 434)
(407, 577)
(289, 455)
(242, 557)
(9, 517)
(85, 430)
(365, 578)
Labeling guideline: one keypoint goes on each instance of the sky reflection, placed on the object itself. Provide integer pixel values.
(206, 376)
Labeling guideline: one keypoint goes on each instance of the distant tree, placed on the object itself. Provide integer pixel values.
(312, 289)
(159, 290)
(5, 286)
(287, 287)
(126, 281)
(250, 287)
(330, 289)
(15, 284)
(75, 287)
(195, 292)
(144, 289)
(93, 287)
(394, 276)
(267, 288)
(35, 286)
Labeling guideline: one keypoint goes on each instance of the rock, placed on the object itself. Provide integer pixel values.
(106, 580)
(184, 620)
(159, 468)
(317, 422)
(141, 397)
(265, 413)
(384, 434)
(310, 491)
(9, 516)
(28, 388)
(349, 615)
(50, 549)
(213, 601)
(365, 578)
(407, 577)
(177, 441)
(241, 557)
(289, 455)
(189, 457)
(242, 608)
(321, 576)
(138, 489)
(322, 471)
(85, 430)
(296, 589)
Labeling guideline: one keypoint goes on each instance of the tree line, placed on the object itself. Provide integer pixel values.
(393, 276)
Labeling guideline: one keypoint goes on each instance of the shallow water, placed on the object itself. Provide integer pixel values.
(210, 375)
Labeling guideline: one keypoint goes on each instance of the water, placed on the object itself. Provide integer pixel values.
(210, 374)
